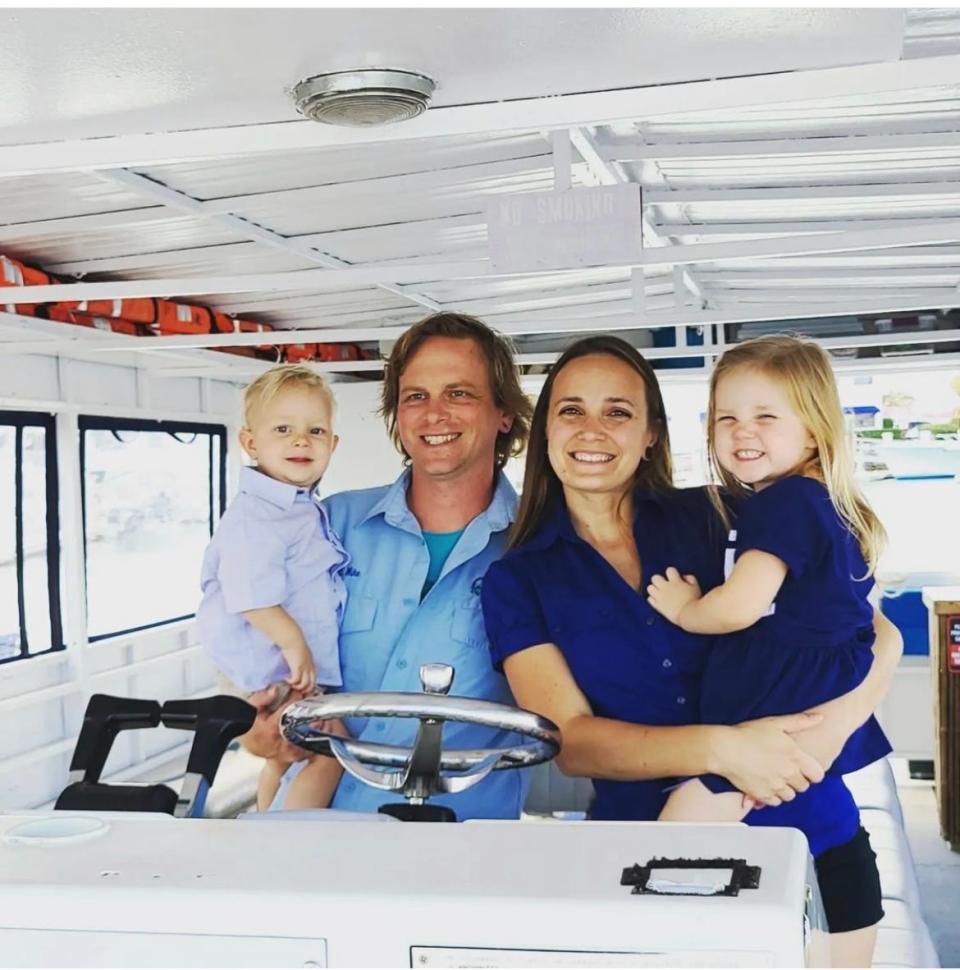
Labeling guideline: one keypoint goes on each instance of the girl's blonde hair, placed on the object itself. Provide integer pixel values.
(271, 382)
(802, 369)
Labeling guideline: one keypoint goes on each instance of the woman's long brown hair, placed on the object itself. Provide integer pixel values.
(541, 487)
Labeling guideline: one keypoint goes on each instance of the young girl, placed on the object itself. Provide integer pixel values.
(802, 552)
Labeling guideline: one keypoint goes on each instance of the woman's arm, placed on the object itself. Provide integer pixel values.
(746, 595)
(844, 714)
(759, 757)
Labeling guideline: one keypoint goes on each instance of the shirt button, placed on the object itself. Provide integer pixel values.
(401, 665)
(668, 663)
(409, 601)
(378, 726)
(650, 621)
(681, 699)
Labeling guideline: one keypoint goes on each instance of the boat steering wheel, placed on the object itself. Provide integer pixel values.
(425, 768)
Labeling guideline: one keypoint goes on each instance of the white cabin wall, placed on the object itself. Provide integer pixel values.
(365, 456)
(42, 699)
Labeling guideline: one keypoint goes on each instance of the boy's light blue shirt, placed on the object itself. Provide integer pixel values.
(273, 547)
(387, 632)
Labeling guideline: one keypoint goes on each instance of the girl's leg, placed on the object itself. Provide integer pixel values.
(694, 802)
(853, 949)
(269, 781)
(314, 786)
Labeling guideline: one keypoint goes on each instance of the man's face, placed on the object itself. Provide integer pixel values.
(447, 419)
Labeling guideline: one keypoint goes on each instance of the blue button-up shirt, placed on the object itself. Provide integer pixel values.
(273, 547)
(388, 632)
(631, 664)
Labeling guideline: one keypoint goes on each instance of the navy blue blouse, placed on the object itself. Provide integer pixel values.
(631, 663)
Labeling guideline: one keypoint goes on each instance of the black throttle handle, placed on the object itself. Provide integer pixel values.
(104, 718)
(215, 721)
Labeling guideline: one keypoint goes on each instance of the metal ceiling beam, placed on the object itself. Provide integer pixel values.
(436, 181)
(180, 201)
(868, 303)
(533, 114)
(800, 193)
(788, 228)
(96, 222)
(608, 174)
(355, 277)
(633, 150)
(772, 272)
(936, 117)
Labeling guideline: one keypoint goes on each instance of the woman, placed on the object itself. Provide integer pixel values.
(580, 644)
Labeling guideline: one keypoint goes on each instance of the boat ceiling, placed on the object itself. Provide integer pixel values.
(795, 164)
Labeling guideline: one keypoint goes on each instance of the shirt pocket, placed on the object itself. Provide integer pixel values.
(360, 613)
(467, 624)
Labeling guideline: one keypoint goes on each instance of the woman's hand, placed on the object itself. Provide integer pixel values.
(764, 761)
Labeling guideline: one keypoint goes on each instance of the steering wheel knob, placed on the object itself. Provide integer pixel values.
(436, 678)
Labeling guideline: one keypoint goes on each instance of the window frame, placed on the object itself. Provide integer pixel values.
(37, 419)
(95, 422)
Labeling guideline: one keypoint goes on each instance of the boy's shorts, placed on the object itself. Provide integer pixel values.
(226, 686)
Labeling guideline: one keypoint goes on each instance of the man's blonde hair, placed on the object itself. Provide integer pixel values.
(270, 383)
(802, 368)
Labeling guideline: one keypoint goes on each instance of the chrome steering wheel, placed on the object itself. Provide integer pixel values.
(424, 769)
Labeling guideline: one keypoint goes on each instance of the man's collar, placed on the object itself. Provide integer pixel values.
(393, 504)
(255, 482)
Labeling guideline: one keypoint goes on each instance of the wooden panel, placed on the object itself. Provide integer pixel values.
(945, 645)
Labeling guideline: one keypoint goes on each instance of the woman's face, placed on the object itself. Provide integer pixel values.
(597, 429)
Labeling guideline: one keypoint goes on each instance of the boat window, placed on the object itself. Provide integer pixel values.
(153, 492)
(29, 543)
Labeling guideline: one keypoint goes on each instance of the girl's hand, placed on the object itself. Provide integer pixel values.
(669, 595)
(303, 671)
(764, 761)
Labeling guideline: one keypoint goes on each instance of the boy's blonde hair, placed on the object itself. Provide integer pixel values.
(270, 383)
(802, 368)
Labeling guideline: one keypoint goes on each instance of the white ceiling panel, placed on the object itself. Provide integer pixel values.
(773, 147)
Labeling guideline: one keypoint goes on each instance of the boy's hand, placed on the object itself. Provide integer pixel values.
(669, 595)
(303, 672)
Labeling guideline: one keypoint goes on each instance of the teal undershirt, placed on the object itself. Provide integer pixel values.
(439, 546)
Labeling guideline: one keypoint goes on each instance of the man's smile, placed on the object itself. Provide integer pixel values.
(440, 439)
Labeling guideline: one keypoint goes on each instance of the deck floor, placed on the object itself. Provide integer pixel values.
(938, 868)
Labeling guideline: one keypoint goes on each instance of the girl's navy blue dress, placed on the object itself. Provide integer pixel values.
(816, 642)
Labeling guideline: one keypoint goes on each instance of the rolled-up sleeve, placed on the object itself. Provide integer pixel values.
(252, 563)
(511, 611)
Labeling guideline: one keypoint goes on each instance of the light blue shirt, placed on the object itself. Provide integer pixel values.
(387, 632)
(273, 547)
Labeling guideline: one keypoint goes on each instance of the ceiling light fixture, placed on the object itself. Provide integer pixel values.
(363, 98)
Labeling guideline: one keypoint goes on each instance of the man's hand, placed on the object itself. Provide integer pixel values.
(671, 593)
(264, 738)
(764, 761)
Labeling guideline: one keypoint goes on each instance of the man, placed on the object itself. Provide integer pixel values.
(419, 548)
